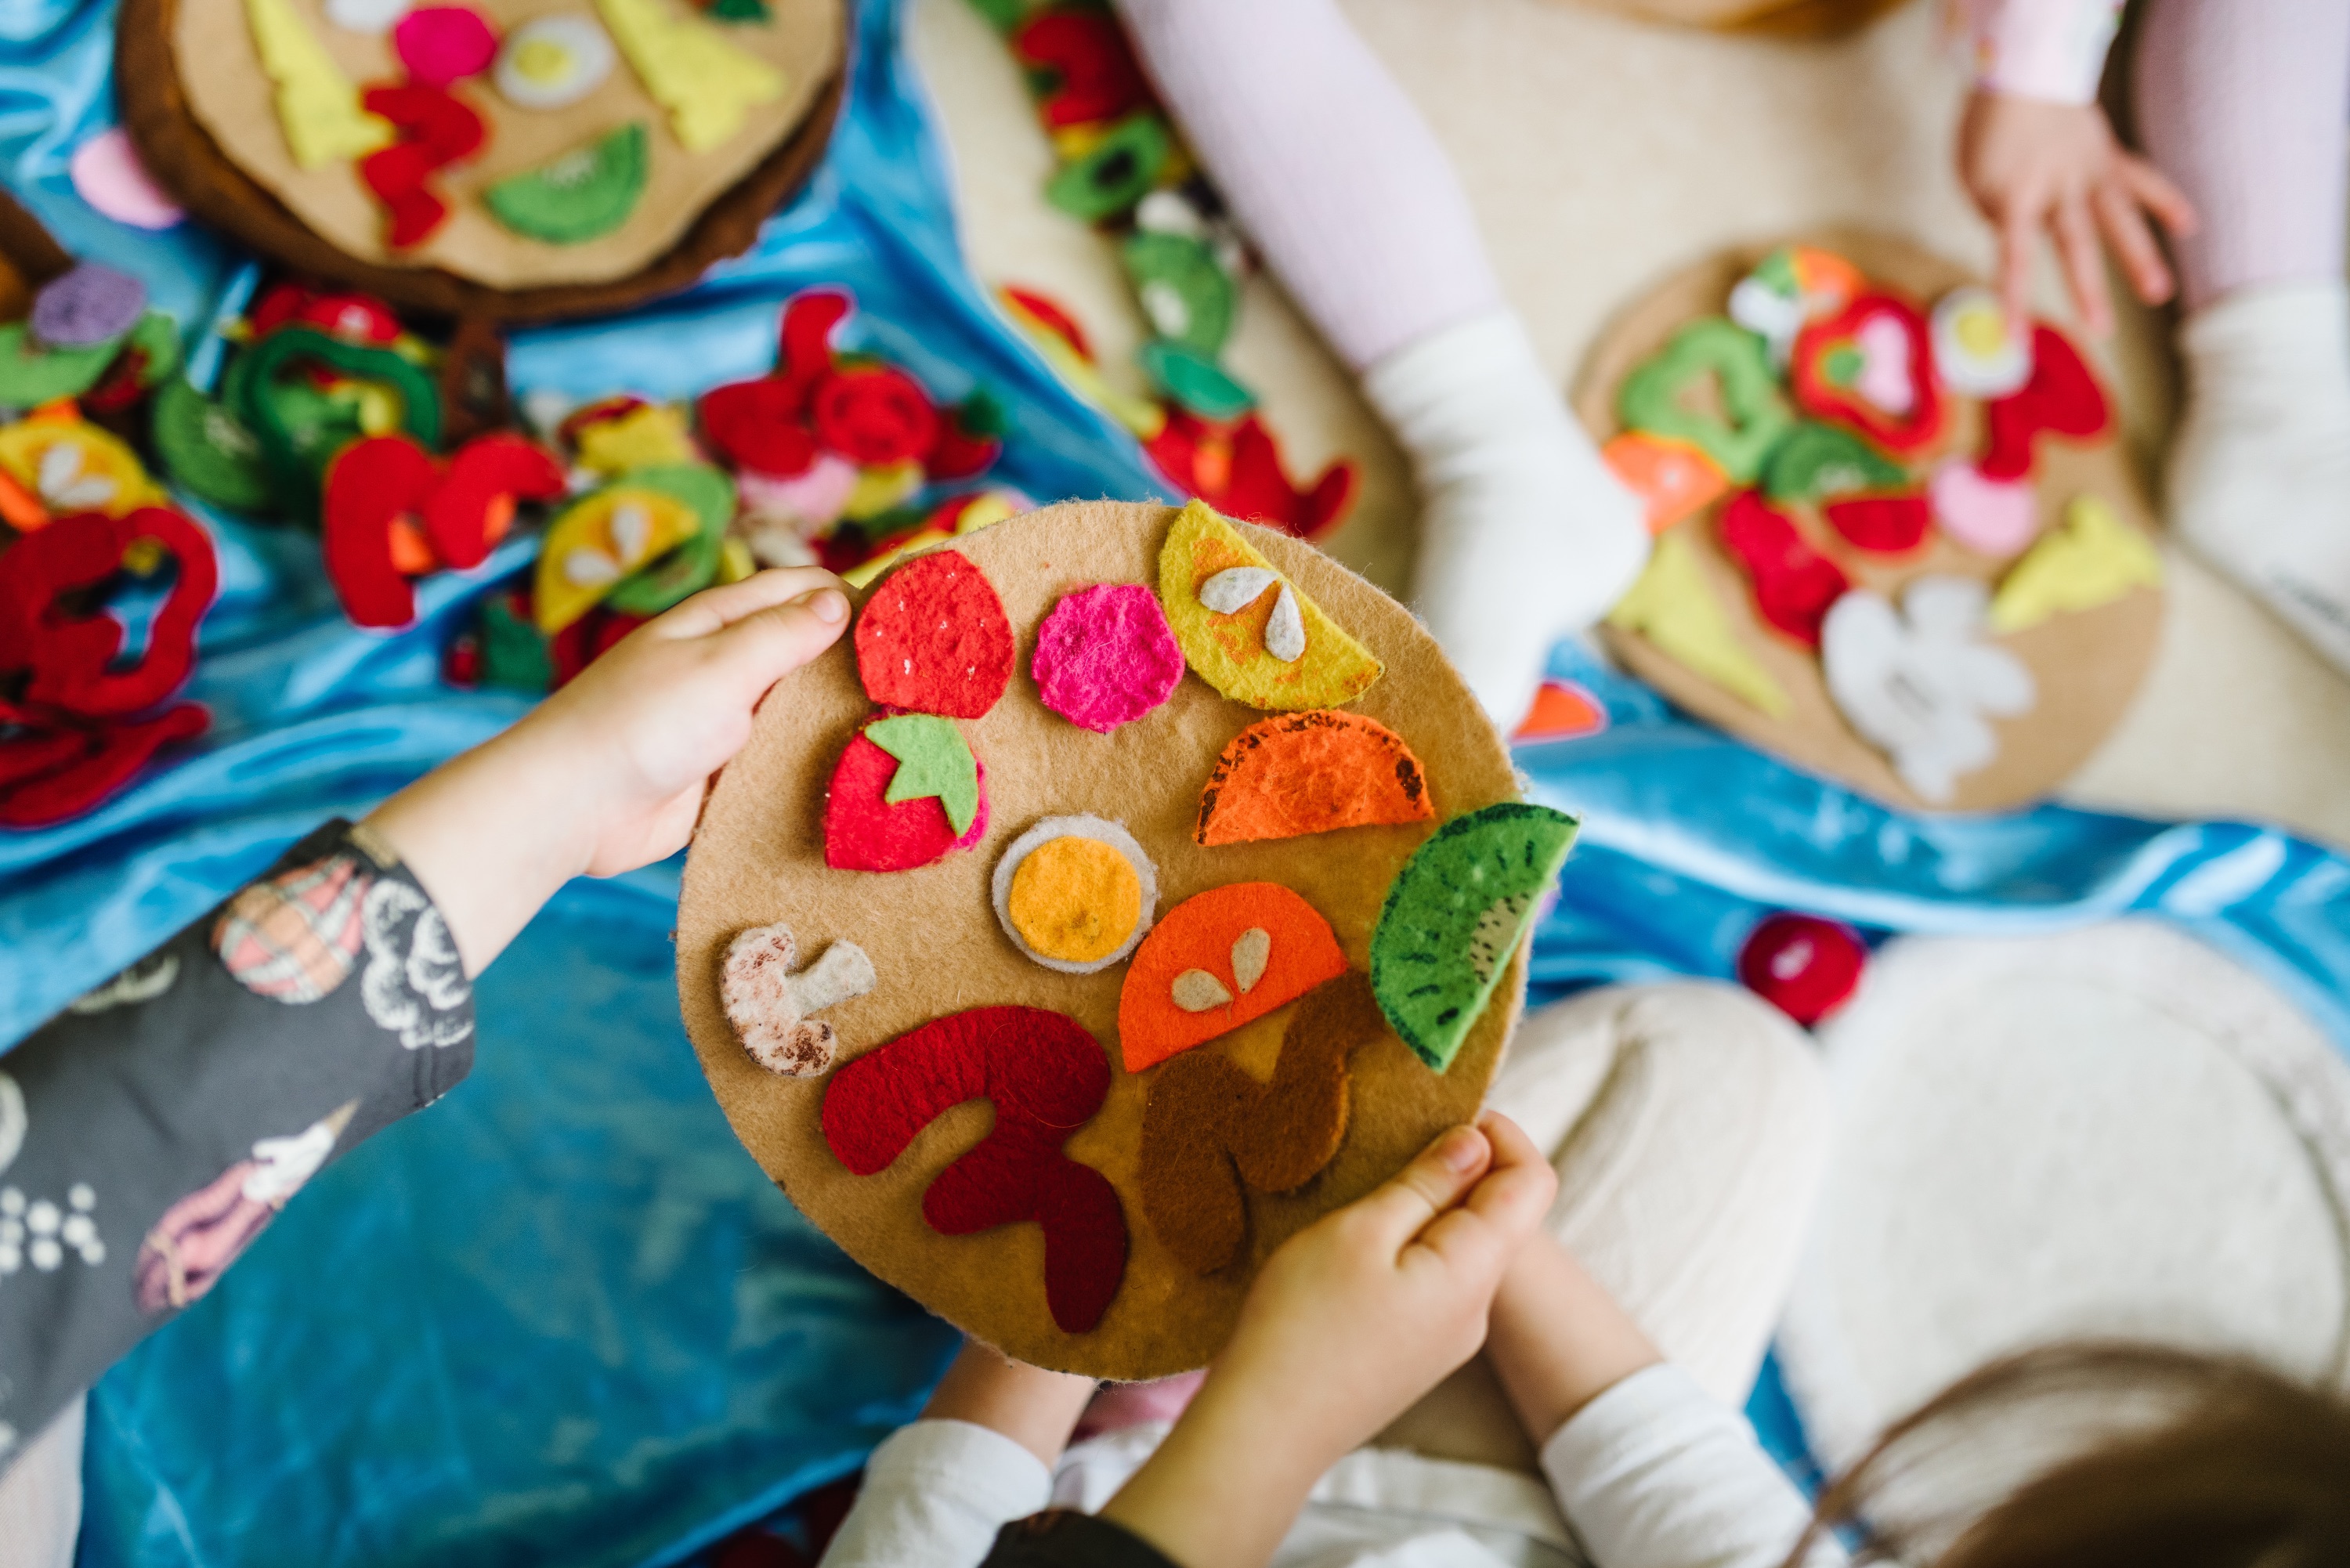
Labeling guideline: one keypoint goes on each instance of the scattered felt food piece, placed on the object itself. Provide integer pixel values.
(1803, 966)
(770, 1001)
(865, 830)
(1275, 648)
(1316, 771)
(386, 493)
(581, 195)
(552, 62)
(1672, 478)
(2093, 560)
(91, 305)
(438, 45)
(1794, 583)
(2061, 398)
(1711, 356)
(1045, 1076)
(31, 375)
(1096, 77)
(647, 435)
(1210, 1126)
(1106, 656)
(1978, 352)
(1822, 463)
(65, 648)
(1673, 607)
(69, 465)
(1920, 682)
(934, 637)
(1115, 169)
(75, 770)
(596, 541)
(318, 107)
(1454, 916)
(1870, 367)
(1990, 516)
(688, 67)
(1193, 380)
(1184, 985)
(1075, 893)
(874, 415)
(1881, 524)
(437, 129)
(694, 566)
(1184, 291)
(1790, 287)
(108, 174)
(1561, 710)
(933, 761)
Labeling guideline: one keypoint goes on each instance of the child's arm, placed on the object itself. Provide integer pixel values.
(149, 1131)
(2037, 154)
(1650, 1472)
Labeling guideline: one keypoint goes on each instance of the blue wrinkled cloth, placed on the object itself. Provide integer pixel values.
(561, 1315)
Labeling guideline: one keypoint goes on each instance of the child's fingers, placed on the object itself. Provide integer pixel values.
(2085, 267)
(713, 609)
(2154, 191)
(1432, 1183)
(2019, 242)
(2132, 241)
(767, 644)
(1504, 1206)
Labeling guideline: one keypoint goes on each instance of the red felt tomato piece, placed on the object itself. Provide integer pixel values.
(804, 355)
(756, 425)
(1887, 524)
(1794, 583)
(75, 771)
(874, 415)
(934, 638)
(2063, 399)
(70, 657)
(1088, 50)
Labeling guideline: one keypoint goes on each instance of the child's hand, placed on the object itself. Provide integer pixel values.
(608, 773)
(1350, 1321)
(2031, 165)
(1035, 1408)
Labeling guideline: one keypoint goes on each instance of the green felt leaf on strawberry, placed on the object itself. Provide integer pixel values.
(933, 759)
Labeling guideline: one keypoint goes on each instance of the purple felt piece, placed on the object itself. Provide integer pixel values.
(89, 305)
(1106, 656)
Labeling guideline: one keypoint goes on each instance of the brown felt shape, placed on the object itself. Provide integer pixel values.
(2088, 665)
(1211, 1124)
(1296, 774)
(758, 860)
(203, 117)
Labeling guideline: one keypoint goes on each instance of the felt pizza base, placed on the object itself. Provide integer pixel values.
(203, 117)
(2088, 665)
(936, 947)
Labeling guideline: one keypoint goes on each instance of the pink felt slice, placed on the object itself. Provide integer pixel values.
(1989, 517)
(443, 43)
(1106, 656)
(815, 499)
(106, 174)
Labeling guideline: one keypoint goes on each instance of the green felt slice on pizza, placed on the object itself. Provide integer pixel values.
(582, 195)
(1820, 463)
(1455, 914)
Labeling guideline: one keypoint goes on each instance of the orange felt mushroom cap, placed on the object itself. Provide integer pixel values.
(1296, 774)
(1217, 961)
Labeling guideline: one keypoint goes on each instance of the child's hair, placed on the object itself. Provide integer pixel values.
(2104, 1456)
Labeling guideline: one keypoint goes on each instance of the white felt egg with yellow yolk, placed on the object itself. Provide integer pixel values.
(1978, 352)
(553, 61)
(1075, 893)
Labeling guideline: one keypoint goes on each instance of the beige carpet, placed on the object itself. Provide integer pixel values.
(1601, 153)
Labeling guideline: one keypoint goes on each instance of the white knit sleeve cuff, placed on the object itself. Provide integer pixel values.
(934, 1495)
(2054, 50)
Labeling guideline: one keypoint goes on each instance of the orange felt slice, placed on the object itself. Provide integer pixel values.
(1562, 711)
(1672, 478)
(1297, 774)
(1217, 961)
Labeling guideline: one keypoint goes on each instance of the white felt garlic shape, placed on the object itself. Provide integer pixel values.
(1918, 682)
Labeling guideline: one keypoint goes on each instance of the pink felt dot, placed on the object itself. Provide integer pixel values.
(1989, 517)
(106, 174)
(443, 43)
(1106, 656)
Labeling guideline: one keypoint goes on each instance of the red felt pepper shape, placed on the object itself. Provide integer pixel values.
(874, 415)
(804, 355)
(1794, 584)
(73, 771)
(440, 130)
(374, 483)
(1822, 398)
(2062, 398)
(960, 453)
(1236, 468)
(1098, 79)
(1046, 1078)
(71, 656)
(1887, 524)
(355, 317)
(756, 425)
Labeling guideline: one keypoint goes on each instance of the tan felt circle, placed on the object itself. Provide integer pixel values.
(2087, 665)
(937, 949)
(204, 118)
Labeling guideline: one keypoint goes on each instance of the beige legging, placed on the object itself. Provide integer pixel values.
(40, 1496)
(1689, 1123)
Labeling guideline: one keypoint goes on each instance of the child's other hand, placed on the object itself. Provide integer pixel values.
(643, 729)
(2033, 165)
(1350, 1321)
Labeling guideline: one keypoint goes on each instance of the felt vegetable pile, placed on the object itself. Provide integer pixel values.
(1124, 169)
(1193, 949)
(1875, 477)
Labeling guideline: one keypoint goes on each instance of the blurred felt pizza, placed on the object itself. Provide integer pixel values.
(1898, 538)
(1130, 887)
(503, 158)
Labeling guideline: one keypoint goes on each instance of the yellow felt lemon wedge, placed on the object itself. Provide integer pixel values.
(1673, 607)
(648, 436)
(318, 107)
(600, 540)
(1245, 629)
(73, 466)
(705, 82)
(2094, 559)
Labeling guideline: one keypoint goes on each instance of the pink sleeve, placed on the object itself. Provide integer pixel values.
(2048, 49)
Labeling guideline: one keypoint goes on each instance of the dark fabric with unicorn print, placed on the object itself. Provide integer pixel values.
(153, 1128)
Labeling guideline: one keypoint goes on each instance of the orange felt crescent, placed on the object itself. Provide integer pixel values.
(1217, 961)
(1296, 774)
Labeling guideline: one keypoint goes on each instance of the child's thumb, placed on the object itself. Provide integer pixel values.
(1436, 1180)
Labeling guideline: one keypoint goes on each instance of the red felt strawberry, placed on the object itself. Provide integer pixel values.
(1871, 366)
(2062, 398)
(1794, 583)
(874, 415)
(385, 492)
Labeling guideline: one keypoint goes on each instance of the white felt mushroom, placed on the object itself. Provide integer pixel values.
(769, 1006)
(1918, 682)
